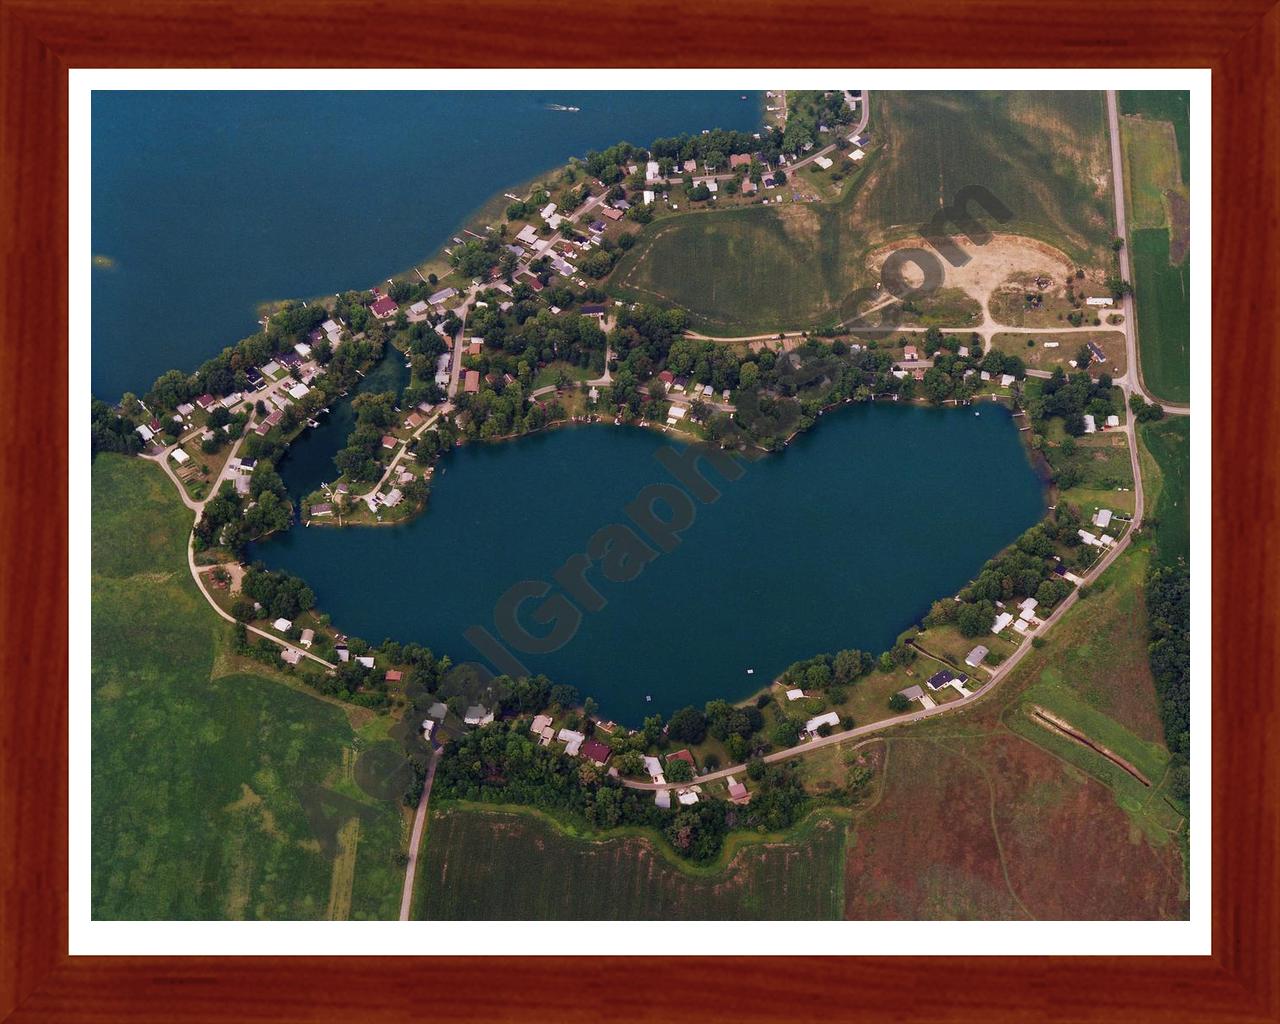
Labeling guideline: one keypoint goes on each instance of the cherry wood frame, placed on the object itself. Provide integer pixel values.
(41, 39)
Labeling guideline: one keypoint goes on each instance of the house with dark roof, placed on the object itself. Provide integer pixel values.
(683, 755)
(940, 679)
(384, 308)
(596, 751)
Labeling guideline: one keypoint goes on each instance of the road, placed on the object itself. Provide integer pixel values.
(415, 840)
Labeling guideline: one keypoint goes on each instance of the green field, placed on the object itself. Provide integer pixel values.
(498, 865)
(1169, 443)
(1163, 296)
(749, 270)
(1151, 171)
(1174, 107)
(209, 797)
(760, 269)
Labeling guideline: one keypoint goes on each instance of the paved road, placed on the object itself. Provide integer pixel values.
(415, 841)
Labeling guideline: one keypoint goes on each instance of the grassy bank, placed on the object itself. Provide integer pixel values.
(216, 790)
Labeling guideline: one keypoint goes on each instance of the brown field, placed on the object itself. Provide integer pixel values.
(1026, 836)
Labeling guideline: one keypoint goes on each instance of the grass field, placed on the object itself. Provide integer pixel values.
(1169, 443)
(498, 865)
(1163, 296)
(1171, 106)
(1151, 170)
(760, 269)
(211, 790)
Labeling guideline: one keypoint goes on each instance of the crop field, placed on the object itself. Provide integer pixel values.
(1169, 443)
(1036, 825)
(496, 865)
(1043, 154)
(209, 796)
(1163, 296)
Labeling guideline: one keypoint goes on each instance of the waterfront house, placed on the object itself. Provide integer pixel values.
(1006, 379)
(389, 441)
(419, 309)
(384, 308)
(307, 637)
(740, 160)
(654, 767)
(186, 409)
(282, 625)
(366, 660)
(685, 756)
(392, 498)
(393, 676)
(528, 234)
(795, 694)
(442, 296)
(572, 741)
(145, 432)
(206, 402)
(299, 390)
(1002, 621)
(323, 509)
(596, 751)
(478, 715)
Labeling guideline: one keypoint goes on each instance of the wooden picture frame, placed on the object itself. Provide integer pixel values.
(41, 40)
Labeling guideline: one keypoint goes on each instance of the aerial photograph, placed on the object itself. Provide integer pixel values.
(591, 505)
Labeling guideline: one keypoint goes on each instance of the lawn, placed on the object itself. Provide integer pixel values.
(1038, 357)
(1162, 293)
(1169, 443)
(516, 865)
(210, 794)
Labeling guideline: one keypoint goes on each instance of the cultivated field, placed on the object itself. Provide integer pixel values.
(209, 798)
(1163, 296)
(1156, 138)
(496, 865)
(1043, 154)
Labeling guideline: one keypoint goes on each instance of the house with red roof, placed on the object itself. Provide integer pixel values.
(683, 755)
(596, 751)
(384, 308)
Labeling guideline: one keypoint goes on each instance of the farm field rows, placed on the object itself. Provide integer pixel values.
(1163, 296)
(212, 783)
(498, 865)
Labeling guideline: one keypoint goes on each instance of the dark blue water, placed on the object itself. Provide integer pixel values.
(209, 203)
(308, 463)
(843, 540)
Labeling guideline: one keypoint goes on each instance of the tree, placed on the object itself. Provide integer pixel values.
(689, 725)
(938, 385)
(898, 703)
(677, 770)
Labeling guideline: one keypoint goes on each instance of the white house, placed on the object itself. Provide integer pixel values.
(1002, 621)
(303, 349)
(1090, 425)
(572, 741)
(478, 715)
(822, 162)
(366, 660)
(1102, 517)
(795, 694)
(547, 211)
(282, 625)
(180, 457)
(818, 721)
(146, 432)
(307, 638)
(299, 390)
(654, 767)
(1103, 300)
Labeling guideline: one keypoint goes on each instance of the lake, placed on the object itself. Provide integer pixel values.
(209, 203)
(842, 540)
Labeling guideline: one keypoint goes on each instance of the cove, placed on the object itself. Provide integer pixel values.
(208, 203)
(842, 540)
(308, 462)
